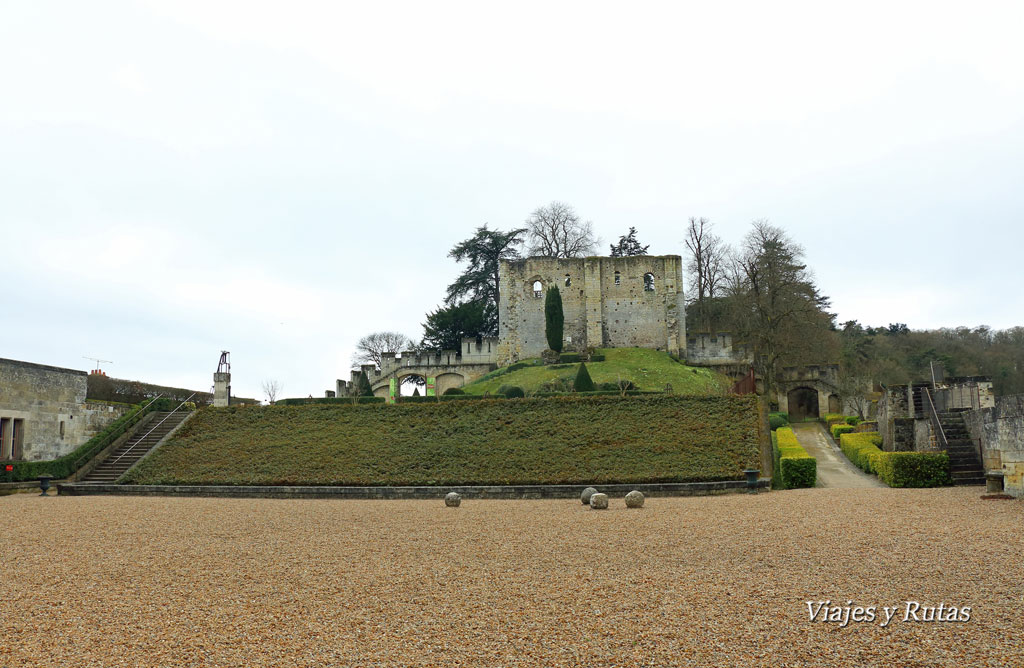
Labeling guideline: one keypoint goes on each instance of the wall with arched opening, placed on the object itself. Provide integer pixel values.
(446, 381)
(802, 403)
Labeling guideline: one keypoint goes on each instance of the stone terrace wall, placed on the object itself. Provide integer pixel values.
(1001, 432)
(50, 403)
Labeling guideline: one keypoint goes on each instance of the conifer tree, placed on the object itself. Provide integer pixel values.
(583, 383)
(554, 319)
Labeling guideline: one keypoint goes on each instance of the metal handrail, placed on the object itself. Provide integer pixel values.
(153, 429)
(935, 420)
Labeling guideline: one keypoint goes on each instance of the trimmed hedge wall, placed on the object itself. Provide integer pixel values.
(840, 429)
(62, 467)
(565, 440)
(895, 469)
(328, 400)
(912, 469)
(861, 448)
(796, 467)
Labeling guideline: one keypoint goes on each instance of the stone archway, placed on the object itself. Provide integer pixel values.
(446, 381)
(803, 404)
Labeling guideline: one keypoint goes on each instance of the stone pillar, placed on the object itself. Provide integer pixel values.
(593, 302)
(222, 389)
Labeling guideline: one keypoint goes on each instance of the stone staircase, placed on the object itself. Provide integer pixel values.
(122, 459)
(964, 465)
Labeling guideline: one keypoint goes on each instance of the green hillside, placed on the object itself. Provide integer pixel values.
(647, 369)
(561, 440)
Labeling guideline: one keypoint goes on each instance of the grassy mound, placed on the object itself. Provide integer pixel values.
(570, 440)
(647, 369)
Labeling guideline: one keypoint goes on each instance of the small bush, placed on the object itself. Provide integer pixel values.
(861, 449)
(913, 469)
(514, 392)
(776, 420)
(583, 382)
(796, 467)
(853, 420)
(453, 390)
(568, 358)
(597, 358)
(834, 417)
(839, 429)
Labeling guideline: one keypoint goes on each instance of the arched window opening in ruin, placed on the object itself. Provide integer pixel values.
(803, 404)
(568, 280)
(618, 278)
(538, 289)
(648, 282)
(412, 385)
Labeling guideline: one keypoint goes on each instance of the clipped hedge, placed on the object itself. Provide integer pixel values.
(913, 469)
(567, 440)
(861, 448)
(796, 467)
(840, 429)
(776, 420)
(834, 417)
(62, 467)
(852, 420)
(328, 400)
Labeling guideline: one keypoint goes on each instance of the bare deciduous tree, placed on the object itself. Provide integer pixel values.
(706, 266)
(556, 230)
(271, 388)
(370, 347)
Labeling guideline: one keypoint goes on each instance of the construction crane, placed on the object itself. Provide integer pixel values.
(98, 362)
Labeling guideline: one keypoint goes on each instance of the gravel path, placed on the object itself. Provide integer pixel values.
(834, 469)
(104, 581)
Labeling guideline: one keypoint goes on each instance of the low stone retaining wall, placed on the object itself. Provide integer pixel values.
(468, 492)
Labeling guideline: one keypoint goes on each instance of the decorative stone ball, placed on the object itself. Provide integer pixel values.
(452, 499)
(599, 501)
(635, 499)
(585, 496)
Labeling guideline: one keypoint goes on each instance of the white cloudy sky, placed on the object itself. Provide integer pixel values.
(279, 178)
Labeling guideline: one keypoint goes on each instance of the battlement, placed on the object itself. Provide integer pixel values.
(472, 351)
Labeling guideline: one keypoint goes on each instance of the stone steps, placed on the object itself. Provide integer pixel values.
(135, 448)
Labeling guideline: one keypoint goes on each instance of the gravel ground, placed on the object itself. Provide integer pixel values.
(103, 581)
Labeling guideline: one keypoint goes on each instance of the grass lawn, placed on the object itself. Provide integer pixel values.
(647, 369)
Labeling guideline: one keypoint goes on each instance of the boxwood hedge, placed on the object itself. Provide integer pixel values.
(796, 467)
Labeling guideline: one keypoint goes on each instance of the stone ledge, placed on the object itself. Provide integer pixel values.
(431, 492)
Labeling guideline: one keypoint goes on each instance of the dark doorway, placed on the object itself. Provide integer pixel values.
(803, 404)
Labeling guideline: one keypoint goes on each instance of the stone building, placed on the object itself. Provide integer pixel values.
(609, 302)
(44, 413)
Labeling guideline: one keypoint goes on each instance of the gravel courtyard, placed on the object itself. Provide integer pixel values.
(103, 581)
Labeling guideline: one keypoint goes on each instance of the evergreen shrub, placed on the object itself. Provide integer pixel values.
(796, 467)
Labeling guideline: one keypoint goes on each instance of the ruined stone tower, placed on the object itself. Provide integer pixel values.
(609, 302)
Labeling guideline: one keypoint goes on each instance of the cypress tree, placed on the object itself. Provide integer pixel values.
(554, 320)
(364, 389)
(583, 383)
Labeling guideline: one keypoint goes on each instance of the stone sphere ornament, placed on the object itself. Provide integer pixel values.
(452, 499)
(635, 499)
(599, 501)
(585, 496)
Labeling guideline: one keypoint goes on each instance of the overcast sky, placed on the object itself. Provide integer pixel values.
(278, 179)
